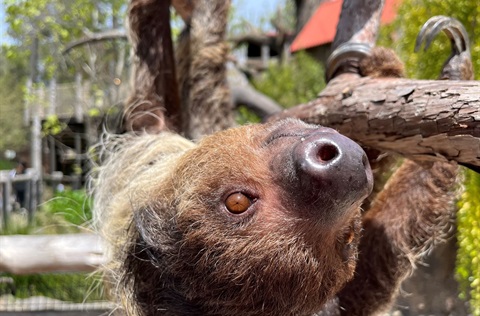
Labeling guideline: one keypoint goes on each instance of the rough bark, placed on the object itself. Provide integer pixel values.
(420, 119)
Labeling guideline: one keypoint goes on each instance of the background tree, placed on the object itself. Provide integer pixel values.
(56, 23)
(40, 30)
(294, 83)
(12, 73)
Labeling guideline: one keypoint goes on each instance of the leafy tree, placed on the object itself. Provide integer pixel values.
(55, 24)
(401, 35)
(12, 129)
(40, 31)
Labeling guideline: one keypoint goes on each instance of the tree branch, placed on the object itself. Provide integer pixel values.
(255, 101)
(243, 93)
(420, 119)
(97, 37)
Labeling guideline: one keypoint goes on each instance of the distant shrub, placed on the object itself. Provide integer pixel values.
(298, 81)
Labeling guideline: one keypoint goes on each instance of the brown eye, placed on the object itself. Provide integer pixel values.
(238, 202)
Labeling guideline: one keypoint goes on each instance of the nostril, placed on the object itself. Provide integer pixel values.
(365, 161)
(327, 152)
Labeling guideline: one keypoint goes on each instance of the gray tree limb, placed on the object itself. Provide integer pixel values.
(243, 93)
(97, 37)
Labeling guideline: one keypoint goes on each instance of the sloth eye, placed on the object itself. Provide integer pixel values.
(238, 203)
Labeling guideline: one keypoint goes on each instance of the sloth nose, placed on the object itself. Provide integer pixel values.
(326, 152)
(332, 168)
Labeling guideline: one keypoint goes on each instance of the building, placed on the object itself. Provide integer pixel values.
(317, 35)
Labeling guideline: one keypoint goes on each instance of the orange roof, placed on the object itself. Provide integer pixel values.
(322, 26)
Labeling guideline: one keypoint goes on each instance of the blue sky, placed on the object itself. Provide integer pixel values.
(251, 10)
(3, 29)
(254, 10)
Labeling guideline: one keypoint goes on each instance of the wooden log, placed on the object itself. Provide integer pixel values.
(28, 254)
(420, 119)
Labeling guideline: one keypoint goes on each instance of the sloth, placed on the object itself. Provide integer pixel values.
(261, 220)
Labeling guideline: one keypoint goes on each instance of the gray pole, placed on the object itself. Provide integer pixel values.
(36, 127)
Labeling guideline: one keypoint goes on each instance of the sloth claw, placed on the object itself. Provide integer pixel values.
(452, 28)
(344, 55)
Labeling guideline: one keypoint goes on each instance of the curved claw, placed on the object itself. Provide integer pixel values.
(453, 29)
(346, 55)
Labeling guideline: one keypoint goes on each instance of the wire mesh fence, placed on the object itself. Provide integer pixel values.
(56, 293)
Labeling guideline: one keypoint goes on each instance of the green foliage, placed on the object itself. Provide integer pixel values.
(401, 35)
(296, 82)
(72, 205)
(71, 287)
(7, 164)
(55, 24)
(14, 133)
(245, 116)
(67, 212)
(468, 258)
(52, 125)
(412, 14)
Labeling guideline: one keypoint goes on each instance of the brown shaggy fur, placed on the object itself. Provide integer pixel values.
(412, 214)
(382, 62)
(154, 104)
(201, 57)
(177, 250)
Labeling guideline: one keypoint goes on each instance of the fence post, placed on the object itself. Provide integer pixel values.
(6, 181)
(78, 105)
(265, 53)
(56, 179)
(52, 97)
(32, 193)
